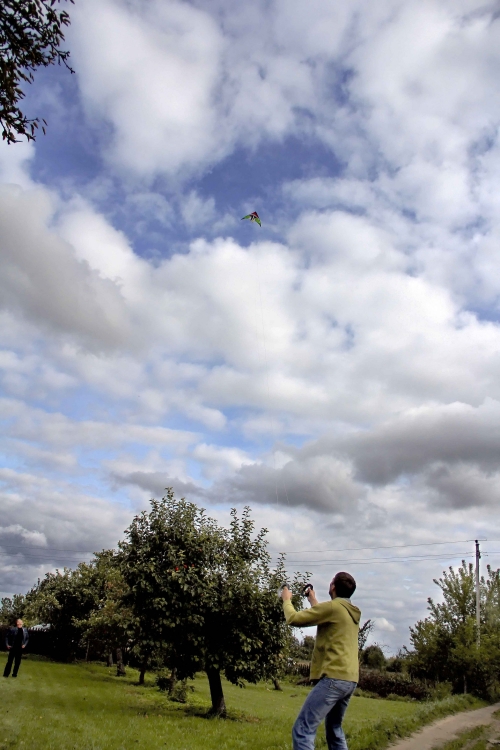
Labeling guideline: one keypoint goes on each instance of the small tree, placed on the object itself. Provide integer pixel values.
(397, 663)
(67, 600)
(373, 657)
(55, 600)
(246, 634)
(31, 32)
(302, 650)
(11, 609)
(204, 596)
(109, 621)
(445, 643)
(168, 561)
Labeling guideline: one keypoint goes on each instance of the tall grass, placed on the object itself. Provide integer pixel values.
(465, 741)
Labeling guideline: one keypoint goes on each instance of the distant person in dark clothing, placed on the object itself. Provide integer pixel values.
(15, 640)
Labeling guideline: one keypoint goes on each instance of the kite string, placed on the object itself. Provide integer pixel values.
(266, 363)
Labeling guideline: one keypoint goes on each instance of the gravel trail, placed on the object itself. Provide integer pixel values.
(444, 730)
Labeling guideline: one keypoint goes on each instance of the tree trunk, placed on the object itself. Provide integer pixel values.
(110, 659)
(87, 654)
(120, 667)
(172, 680)
(142, 672)
(465, 684)
(216, 693)
(277, 685)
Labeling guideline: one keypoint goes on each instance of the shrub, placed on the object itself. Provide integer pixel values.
(373, 657)
(441, 690)
(301, 668)
(163, 680)
(394, 697)
(180, 691)
(177, 690)
(395, 664)
(387, 683)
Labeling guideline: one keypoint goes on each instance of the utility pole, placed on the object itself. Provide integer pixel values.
(478, 595)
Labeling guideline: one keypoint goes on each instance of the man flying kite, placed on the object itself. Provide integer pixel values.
(254, 216)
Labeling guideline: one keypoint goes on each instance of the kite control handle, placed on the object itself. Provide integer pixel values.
(280, 589)
(307, 589)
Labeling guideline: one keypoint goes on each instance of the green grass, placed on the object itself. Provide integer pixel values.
(472, 739)
(85, 707)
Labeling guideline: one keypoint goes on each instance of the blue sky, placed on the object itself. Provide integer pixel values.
(338, 368)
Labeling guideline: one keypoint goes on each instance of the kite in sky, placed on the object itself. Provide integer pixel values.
(254, 216)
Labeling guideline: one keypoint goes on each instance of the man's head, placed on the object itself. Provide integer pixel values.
(19, 622)
(343, 585)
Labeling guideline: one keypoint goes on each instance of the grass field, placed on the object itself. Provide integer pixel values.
(53, 706)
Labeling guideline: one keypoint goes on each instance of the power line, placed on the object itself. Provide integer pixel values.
(296, 552)
(380, 560)
(374, 560)
(384, 560)
(391, 546)
(40, 556)
(19, 550)
(393, 560)
(46, 549)
(416, 557)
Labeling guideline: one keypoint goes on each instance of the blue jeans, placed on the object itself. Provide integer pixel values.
(327, 700)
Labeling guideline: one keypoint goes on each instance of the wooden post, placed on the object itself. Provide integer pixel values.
(478, 597)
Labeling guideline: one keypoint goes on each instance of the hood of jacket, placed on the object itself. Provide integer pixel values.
(354, 611)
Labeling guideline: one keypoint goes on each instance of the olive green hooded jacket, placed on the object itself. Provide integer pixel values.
(336, 651)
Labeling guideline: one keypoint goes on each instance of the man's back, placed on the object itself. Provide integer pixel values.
(336, 651)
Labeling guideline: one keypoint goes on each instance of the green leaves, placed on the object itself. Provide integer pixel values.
(444, 643)
(211, 595)
(31, 32)
(181, 592)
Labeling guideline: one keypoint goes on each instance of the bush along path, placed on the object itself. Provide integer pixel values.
(457, 731)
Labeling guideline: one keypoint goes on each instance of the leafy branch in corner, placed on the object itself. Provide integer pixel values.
(31, 32)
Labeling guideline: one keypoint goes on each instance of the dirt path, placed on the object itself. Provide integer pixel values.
(447, 729)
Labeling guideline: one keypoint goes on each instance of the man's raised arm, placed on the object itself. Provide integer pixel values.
(314, 616)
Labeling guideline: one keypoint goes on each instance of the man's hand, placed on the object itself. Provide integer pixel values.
(23, 647)
(286, 594)
(9, 648)
(312, 598)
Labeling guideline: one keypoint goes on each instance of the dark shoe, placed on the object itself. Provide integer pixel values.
(14, 675)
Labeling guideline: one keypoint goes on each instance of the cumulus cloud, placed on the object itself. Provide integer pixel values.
(454, 434)
(319, 482)
(43, 281)
(14, 163)
(35, 515)
(58, 430)
(157, 482)
(382, 623)
(151, 71)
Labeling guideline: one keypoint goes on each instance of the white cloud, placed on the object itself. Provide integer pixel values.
(14, 161)
(354, 338)
(382, 623)
(42, 280)
(218, 460)
(58, 430)
(152, 72)
(197, 212)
